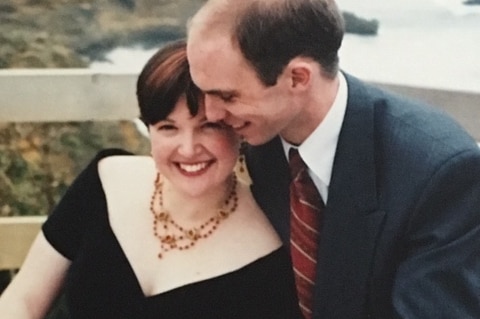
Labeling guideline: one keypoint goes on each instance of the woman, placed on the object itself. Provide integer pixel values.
(174, 235)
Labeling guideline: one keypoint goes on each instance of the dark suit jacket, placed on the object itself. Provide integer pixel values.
(401, 229)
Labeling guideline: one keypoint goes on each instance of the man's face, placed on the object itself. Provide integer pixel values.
(233, 92)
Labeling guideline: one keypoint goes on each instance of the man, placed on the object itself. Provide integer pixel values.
(400, 230)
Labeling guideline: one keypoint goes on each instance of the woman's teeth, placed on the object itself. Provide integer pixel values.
(192, 168)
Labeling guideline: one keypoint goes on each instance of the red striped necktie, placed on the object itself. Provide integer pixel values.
(306, 208)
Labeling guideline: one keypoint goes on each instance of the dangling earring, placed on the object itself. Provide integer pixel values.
(157, 179)
(241, 167)
(241, 157)
(241, 163)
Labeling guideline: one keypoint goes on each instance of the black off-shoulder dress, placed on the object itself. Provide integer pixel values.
(101, 283)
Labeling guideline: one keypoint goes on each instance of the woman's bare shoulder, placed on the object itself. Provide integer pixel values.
(120, 169)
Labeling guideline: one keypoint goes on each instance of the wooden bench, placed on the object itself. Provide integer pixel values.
(16, 236)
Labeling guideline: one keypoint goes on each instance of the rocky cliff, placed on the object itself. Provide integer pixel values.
(70, 33)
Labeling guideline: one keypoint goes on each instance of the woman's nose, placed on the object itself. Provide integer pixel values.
(189, 145)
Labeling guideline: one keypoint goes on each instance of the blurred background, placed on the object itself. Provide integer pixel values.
(425, 43)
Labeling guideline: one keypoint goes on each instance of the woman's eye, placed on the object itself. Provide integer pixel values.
(166, 127)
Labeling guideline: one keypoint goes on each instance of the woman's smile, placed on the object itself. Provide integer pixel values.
(194, 168)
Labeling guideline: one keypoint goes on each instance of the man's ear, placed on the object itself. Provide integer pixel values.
(300, 73)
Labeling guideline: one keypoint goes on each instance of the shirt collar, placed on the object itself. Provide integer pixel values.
(318, 150)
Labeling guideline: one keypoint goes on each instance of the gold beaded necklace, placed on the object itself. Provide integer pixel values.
(174, 236)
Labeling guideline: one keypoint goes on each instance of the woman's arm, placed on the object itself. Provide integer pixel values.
(36, 285)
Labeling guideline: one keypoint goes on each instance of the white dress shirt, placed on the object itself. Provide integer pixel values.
(318, 150)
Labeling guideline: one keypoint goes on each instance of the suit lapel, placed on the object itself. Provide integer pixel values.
(352, 217)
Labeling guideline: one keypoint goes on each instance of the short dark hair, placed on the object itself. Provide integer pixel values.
(270, 34)
(163, 80)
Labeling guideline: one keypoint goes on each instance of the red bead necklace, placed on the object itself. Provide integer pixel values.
(174, 236)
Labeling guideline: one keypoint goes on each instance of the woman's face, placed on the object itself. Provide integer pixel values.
(195, 155)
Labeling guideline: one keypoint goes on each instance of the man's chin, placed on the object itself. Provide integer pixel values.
(257, 139)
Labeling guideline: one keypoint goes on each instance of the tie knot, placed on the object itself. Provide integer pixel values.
(296, 162)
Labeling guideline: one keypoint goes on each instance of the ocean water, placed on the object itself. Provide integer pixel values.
(427, 43)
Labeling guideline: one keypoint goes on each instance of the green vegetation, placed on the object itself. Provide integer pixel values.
(39, 160)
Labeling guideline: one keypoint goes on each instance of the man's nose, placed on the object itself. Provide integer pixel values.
(214, 109)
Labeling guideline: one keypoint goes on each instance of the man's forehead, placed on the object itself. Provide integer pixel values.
(215, 65)
(214, 54)
(212, 18)
(201, 39)
(214, 76)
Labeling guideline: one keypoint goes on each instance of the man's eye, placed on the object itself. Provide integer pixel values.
(226, 97)
(214, 125)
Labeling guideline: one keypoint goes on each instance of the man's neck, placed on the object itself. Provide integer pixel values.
(316, 105)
